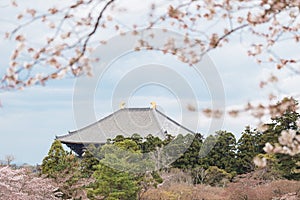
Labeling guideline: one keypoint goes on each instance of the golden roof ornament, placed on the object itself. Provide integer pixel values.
(153, 105)
(122, 105)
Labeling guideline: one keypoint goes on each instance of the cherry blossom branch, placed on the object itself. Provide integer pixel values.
(96, 26)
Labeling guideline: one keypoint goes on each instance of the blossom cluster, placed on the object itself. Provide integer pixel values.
(289, 143)
(20, 184)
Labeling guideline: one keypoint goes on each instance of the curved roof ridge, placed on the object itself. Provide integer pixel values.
(92, 124)
(100, 120)
(156, 119)
(172, 120)
(157, 116)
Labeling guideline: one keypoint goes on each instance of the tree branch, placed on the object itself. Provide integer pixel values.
(91, 33)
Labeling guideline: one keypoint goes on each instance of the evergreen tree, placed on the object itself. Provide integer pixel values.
(222, 154)
(287, 164)
(64, 168)
(125, 156)
(176, 149)
(286, 121)
(190, 158)
(113, 185)
(126, 170)
(55, 161)
(119, 138)
(128, 144)
(137, 139)
(151, 143)
(247, 149)
(87, 164)
(169, 138)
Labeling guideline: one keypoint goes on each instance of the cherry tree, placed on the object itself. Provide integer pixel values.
(20, 184)
(73, 31)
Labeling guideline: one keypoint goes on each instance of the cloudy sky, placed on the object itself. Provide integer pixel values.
(30, 119)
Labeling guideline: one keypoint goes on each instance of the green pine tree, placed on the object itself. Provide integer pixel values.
(126, 170)
(113, 185)
(88, 163)
(215, 176)
(247, 149)
(287, 165)
(222, 154)
(151, 143)
(55, 161)
(190, 158)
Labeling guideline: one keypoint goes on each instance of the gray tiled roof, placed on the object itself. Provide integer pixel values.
(126, 121)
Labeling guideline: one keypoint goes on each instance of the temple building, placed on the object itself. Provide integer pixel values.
(126, 122)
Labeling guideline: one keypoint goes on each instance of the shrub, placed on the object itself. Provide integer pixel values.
(271, 190)
(217, 177)
(157, 177)
(174, 176)
(185, 191)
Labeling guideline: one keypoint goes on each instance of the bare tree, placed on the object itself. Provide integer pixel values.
(9, 159)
